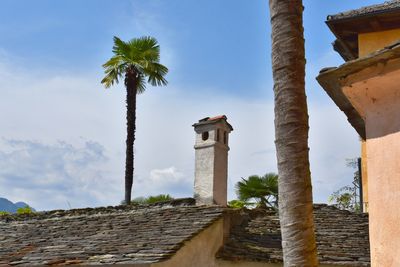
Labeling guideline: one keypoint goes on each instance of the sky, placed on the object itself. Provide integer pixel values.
(62, 137)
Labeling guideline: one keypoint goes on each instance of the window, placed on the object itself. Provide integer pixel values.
(217, 139)
(204, 136)
(225, 137)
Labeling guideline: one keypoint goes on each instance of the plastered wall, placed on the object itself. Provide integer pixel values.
(377, 99)
(373, 41)
(200, 251)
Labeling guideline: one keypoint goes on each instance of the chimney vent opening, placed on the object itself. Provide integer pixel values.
(204, 136)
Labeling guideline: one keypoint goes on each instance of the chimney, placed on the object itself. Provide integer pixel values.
(211, 156)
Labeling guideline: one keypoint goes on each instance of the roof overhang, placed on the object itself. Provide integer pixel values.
(348, 25)
(337, 82)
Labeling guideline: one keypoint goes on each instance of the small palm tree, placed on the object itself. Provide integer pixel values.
(264, 189)
(137, 62)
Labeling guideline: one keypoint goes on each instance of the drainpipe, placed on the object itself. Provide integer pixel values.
(360, 183)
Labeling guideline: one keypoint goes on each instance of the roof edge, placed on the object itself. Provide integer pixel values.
(366, 11)
(329, 79)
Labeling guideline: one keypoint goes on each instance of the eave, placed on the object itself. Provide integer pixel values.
(334, 79)
(348, 25)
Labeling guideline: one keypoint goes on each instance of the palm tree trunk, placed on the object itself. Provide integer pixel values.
(291, 134)
(131, 88)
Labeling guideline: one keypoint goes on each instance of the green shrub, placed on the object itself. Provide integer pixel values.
(236, 204)
(150, 199)
(25, 210)
(158, 198)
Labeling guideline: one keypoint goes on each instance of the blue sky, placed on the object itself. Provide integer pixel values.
(62, 138)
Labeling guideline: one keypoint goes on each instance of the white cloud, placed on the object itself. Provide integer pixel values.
(45, 108)
(49, 176)
(162, 181)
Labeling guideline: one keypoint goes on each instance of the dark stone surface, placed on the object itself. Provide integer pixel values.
(153, 233)
(112, 235)
(342, 237)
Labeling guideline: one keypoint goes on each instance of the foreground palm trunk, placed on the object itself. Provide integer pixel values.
(291, 134)
(130, 82)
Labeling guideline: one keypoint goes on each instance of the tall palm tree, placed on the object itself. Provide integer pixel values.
(291, 134)
(264, 189)
(136, 61)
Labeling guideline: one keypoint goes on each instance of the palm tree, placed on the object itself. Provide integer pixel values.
(264, 189)
(137, 61)
(291, 134)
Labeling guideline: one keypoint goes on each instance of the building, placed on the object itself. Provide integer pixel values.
(366, 89)
(193, 232)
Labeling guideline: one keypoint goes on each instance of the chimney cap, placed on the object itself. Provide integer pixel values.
(208, 120)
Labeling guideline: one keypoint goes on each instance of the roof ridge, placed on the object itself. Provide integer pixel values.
(180, 202)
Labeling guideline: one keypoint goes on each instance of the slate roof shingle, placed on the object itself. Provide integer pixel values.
(367, 10)
(120, 235)
(347, 26)
(153, 233)
(208, 120)
(342, 237)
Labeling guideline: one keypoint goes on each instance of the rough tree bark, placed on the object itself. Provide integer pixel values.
(291, 134)
(131, 90)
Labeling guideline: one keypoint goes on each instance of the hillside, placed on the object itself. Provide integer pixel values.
(7, 205)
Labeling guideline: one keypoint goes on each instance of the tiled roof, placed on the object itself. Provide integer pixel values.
(346, 26)
(342, 237)
(208, 120)
(220, 117)
(114, 235)
(368, 10)
(153, 233)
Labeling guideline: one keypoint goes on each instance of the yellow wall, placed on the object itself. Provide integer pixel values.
(369, 43)
(200, 250)
(373, 41)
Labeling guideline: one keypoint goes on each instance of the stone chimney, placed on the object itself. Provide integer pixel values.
(211, 167)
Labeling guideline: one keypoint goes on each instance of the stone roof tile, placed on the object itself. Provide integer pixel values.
(342, 237)
(152, 233)
(120, 235)
(368, 10)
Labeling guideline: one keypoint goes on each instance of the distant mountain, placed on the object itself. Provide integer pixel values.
(20, 204)
(7, 205)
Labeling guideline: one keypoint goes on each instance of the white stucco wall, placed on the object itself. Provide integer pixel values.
(211, 163)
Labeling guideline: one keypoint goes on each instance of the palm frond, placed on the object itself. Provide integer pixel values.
(120, 47)
(114, 69)
(155, 73)
(147, 47)
(141, 85)
(112, 76)
(261, 188)
(141, 55)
